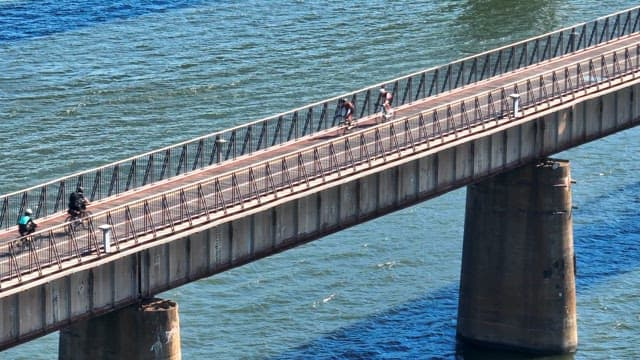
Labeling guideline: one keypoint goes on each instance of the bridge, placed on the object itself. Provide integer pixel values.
(191, 210)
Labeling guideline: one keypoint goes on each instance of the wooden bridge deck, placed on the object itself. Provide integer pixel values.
(292, 147)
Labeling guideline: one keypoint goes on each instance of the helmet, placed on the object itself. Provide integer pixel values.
(28, 212)
(80, 189)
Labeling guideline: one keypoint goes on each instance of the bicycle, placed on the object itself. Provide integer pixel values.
(343, 123)
(20, 244)
(26, 242)
(77, 221)
(385, 115)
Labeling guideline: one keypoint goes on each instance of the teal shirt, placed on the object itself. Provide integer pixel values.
(24, 219)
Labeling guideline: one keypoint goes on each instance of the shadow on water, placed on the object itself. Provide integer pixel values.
(426, 328)
(400, 333)
(421, 329)
(21, 20)
(609, 245)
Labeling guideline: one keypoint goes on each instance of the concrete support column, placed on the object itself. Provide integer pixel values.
(517, 286)
(148, 330)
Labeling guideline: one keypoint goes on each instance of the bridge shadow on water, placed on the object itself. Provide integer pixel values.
(426, 328)
(608, 246)
(27, 19)
(421, 329)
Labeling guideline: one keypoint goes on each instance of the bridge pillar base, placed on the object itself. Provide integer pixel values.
(148, 330)
(517, 285)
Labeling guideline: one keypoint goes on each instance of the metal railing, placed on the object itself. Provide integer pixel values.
(239, 190)
(182, 158)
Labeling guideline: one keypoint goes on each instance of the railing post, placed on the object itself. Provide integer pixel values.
(106, 237)
(219, 142)
(516, 104)
(572, 40)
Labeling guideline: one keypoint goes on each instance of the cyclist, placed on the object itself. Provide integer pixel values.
(349, 109)
(387, 99)
(26, 225)
(77, 202)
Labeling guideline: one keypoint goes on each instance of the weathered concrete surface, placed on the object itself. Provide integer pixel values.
(517, 287)
(147, 330)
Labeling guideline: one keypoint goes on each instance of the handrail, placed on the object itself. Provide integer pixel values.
(237, 190)
(178, 159)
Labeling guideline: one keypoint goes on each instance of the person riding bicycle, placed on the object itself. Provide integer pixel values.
(348, 110)
(26, 225)
(387, 99)
(77, 202)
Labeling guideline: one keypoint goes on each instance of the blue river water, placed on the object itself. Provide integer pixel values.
(87, 83)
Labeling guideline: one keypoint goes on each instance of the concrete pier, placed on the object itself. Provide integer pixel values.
(148, 330)
(517, 286)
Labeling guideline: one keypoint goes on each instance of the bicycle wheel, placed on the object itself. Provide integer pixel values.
(18, 246)
(37, 241)
(84, 222)
(26, 244)
(73, 224)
